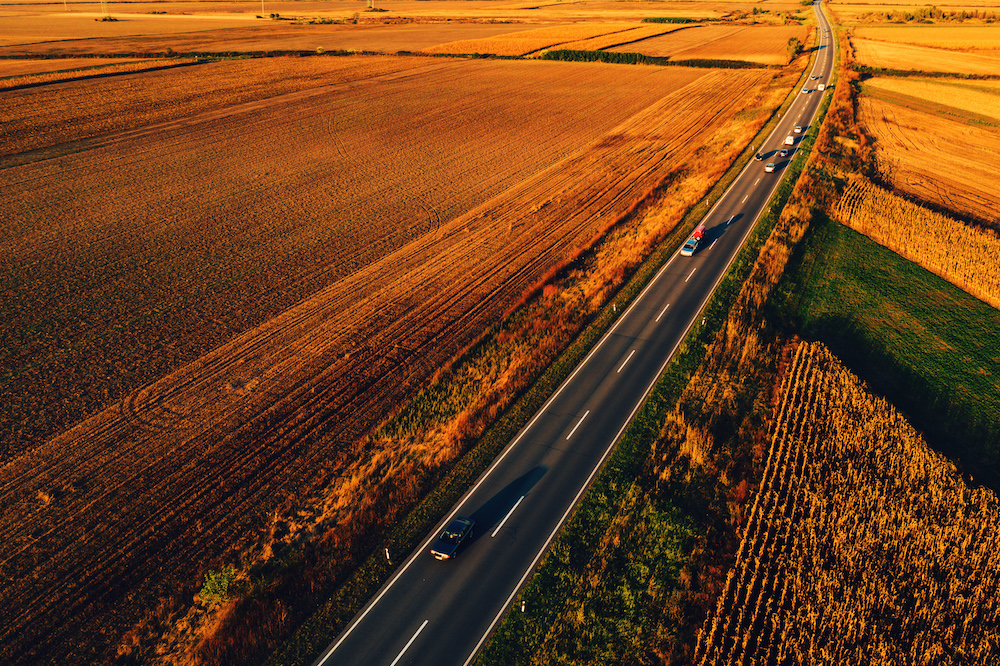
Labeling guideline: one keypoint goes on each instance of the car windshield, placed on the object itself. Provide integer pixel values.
(453, 533)
(691, 243)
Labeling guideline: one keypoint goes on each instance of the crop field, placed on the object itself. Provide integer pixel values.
(943, 152)
(247, 206)
(763, 44)
(12, 68)
(983, 39)
(620, 38)
(863, 545)
(523, 42)
(922, 58)
(964, 255)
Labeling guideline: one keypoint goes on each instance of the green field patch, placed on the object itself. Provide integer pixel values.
(930, 348)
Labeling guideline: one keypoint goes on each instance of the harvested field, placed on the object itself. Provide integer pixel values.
(321, 193)
(863, 544)
(764, 44)
(922, 58)
(980, 98)
(10, 68)
(524, 42)
(121, 67)
(270, 36)
(767, 45)
(940, 154)
(620, 38)
(973, 38)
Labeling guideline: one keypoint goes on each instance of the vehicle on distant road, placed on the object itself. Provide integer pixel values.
(806, 91)
(769, 167)
(448, 544)
(798, 129)
(784, 152)
(759, 156)
(789, 140)
(691, 245)
(821, 87)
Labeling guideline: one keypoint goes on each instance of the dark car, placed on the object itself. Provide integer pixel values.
(784, 152)
(448, 544)
(758, 156)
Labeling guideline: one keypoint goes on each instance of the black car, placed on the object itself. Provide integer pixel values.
(458, 531)
(758, 156)
(784, 152)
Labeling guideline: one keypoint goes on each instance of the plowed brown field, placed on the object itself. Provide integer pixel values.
(413, 205)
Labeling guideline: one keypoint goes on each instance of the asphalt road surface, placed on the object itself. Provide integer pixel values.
(441, 613)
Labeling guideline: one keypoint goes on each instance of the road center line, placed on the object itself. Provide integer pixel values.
(408, 644)
(692, 273)
(627, 359)
(755, 182)
(745, 199)
(713, 243)
(662, 312)
(578, 424)
(506, 517)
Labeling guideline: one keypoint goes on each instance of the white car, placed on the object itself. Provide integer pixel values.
(789, 140)
(806, 90)
(689, 247)
(768, 168)
(798, 129)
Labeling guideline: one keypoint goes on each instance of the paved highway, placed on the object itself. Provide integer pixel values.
(441, 613)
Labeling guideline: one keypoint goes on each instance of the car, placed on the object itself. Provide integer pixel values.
(769, 167)
(784, 152)
(806, 91)
(759, 156)
(798, 129)
(789, 140)
(821, 87)
(690, 247)
(813, 77)
(459, 531)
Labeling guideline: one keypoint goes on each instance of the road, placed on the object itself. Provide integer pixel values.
(441, 613)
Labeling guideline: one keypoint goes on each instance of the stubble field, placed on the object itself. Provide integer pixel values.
(320, 190)
(766, 45)
(938, 141)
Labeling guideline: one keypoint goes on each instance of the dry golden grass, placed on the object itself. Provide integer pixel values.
(965, 256)
(863, 545)
(940, 154)
(922, 58)
(972, 38)
(293, 180)
(525, 42)
(682, 39)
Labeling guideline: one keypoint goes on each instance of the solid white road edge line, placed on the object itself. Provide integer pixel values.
(500, 526)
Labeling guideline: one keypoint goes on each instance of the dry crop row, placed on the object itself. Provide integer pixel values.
(188, 469)
(619, 38)
(964, 255)
(670, 44)
(936, 153)
(763, 44)
(863, 544)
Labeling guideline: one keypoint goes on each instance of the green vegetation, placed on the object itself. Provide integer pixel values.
(930, 348)
(640, 59)
(219, 586)
(794, 48)
(669, 19)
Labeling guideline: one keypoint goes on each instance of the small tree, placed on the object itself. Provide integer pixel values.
(218, 587)
(794, 48)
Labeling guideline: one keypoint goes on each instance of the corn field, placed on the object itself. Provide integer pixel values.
(965, 256)
(863, 545)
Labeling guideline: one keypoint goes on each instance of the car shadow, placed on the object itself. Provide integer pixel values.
(497, 507)
(713, 234)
